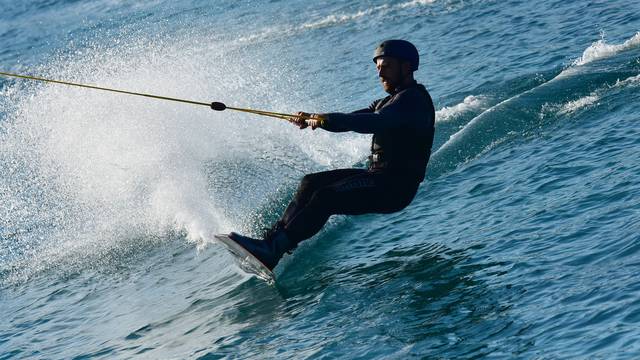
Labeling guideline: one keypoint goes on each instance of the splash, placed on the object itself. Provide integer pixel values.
(85, 172)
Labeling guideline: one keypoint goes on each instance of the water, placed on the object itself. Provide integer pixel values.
(522, 243)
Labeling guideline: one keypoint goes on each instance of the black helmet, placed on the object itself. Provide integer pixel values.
(400, 49)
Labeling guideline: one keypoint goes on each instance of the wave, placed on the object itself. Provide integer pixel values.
(522, 111)
(573, 106)
(334, 19)
(600, 49)
(630, 81)
(414, 3)
(470, 103)
(331, 20)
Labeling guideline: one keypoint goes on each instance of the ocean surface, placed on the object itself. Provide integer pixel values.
(523, 242)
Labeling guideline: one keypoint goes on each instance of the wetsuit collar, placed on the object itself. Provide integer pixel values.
(400, 88)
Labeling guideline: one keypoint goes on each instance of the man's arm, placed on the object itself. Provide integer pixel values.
(401, 111)
(368, 110)
(323, 123)
(315, 120)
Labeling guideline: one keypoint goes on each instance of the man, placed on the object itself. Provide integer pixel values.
(402, 125)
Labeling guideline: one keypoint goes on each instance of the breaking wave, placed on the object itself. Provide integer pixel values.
(600, 49)
(470, 103)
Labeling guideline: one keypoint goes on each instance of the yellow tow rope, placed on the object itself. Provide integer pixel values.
(214, 105)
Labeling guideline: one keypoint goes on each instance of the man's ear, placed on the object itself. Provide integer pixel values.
(407, 69)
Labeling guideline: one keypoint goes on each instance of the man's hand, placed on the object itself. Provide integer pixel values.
(315, 121)
(304, 120)
(300, 120)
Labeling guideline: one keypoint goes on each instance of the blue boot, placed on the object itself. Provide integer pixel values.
(270, 250)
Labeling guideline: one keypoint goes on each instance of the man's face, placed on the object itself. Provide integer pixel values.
(390, 73)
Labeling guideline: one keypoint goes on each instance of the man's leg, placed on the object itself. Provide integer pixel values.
(277, 241)
(309, 185)
(361, 193)
(349, 192)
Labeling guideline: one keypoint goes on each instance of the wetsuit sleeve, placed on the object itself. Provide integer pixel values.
(399, 112)
(362, 111)
(369, 109)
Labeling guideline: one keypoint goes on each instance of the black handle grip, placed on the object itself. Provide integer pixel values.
(218, 106)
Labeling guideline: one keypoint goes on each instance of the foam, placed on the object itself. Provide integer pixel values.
(414, 3)
(376, 10)
(630, 81)
(575, 105)
(469, 103)
(335, 19)
(600, 49)
(591, 99)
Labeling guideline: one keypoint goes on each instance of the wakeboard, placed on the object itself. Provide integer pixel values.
(245, 260)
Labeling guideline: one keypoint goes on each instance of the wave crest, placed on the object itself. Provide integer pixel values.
(469, 103)
(600, 49)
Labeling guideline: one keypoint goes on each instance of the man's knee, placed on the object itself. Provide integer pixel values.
(308, 182)
(323, 200)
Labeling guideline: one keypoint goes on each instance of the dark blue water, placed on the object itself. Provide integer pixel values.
(522, 243)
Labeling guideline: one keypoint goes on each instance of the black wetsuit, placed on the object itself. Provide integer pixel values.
(402, 125)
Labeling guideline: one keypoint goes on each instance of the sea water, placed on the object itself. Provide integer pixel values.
(523, 242)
